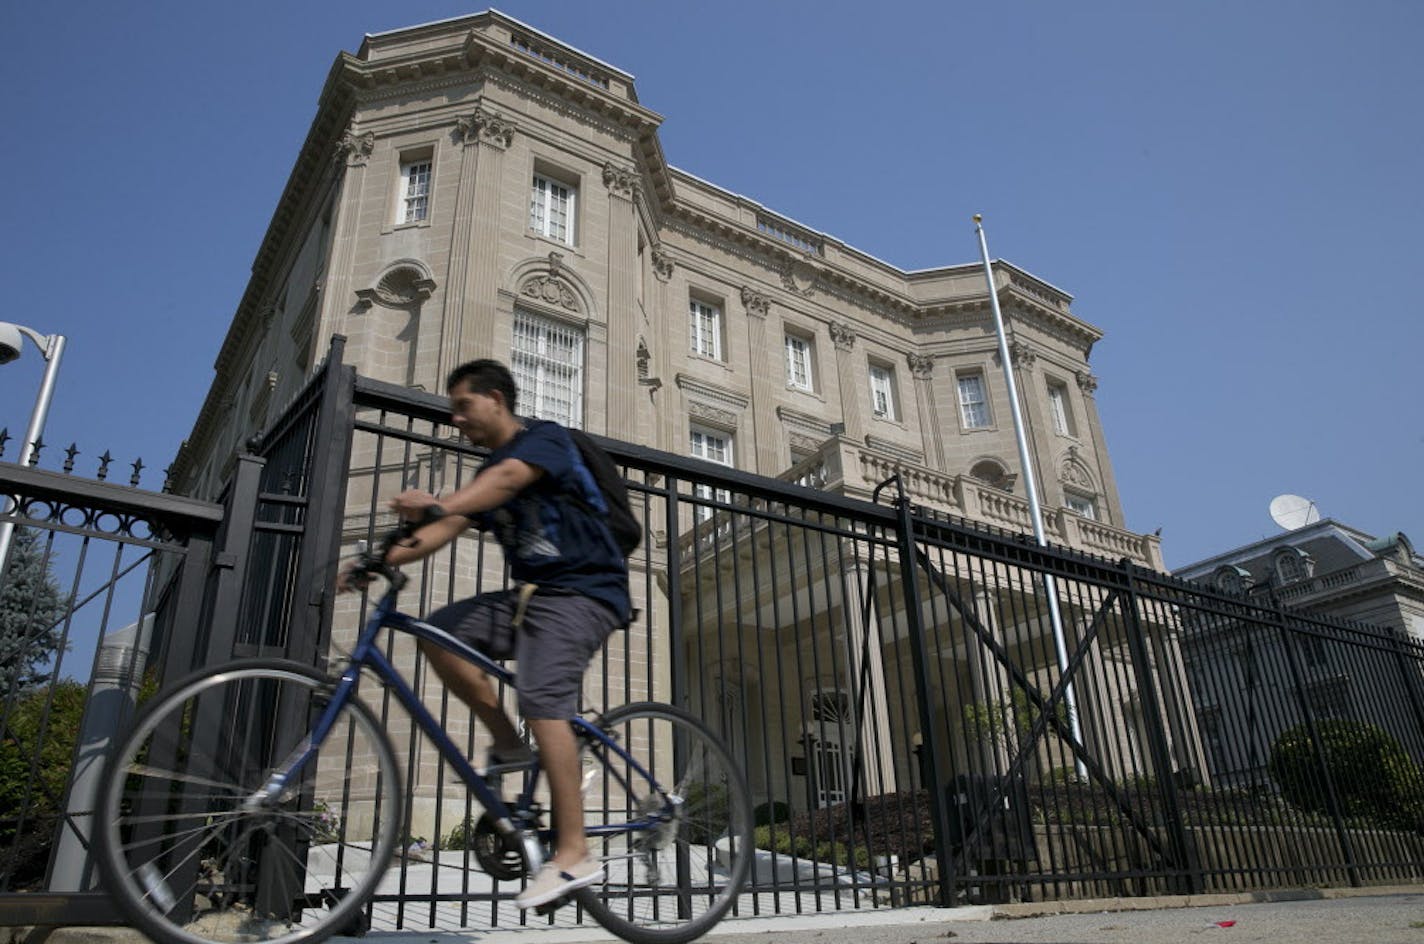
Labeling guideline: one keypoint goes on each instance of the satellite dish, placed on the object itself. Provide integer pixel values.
(1292, 511)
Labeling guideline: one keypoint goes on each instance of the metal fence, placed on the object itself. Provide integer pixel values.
(927, 711)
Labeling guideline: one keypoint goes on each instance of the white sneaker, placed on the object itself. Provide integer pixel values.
(554, 882)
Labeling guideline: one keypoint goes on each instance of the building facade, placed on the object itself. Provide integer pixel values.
(475, 188)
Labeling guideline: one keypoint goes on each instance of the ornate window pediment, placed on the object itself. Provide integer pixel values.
(403, 285)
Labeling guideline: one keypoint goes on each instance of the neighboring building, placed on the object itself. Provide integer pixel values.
(1243, 681)
(476, 188)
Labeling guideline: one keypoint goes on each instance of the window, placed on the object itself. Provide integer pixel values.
(1062, 412)
(551, 209)
(705, 329)
(973, 408)
(415, 191)
(1081, 505)
(882, 392)
(798, 362)
(714, 447)
(547, 363)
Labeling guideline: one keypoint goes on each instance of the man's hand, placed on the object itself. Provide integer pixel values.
(352, 577)
(411, 504)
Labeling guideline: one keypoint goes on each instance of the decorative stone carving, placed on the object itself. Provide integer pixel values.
(842, 336)
(662, 265)
(485, 127)
(1086, 383)
(1022, 355)
(551, 290)
(921, 365)
(400, 287)
(355, 149)
(799, 276)
(643, 357)
(623, 183)
(756, 303)
(1075, 473)
(714, 415)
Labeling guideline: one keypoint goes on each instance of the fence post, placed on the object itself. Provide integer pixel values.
(909, 578)
(1332, 799)
(325, 510)
(230, 561)
(1144, 672)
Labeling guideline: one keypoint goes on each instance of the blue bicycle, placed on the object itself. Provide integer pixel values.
(262, 801)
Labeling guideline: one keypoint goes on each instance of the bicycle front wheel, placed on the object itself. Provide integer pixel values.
(195, 850)
(675, 836)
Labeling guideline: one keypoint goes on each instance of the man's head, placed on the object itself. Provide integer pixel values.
(482, 401)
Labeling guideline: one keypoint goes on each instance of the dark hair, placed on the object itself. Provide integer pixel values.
(486, 376)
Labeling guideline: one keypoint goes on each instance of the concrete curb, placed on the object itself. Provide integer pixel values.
(1039, 909)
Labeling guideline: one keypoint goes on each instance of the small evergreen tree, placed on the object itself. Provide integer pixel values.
(32, 609)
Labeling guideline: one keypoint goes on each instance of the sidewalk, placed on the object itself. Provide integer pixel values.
(1377, 915)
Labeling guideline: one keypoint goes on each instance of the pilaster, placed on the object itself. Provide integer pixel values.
(847, 376)
(765, 432)
(623, 275)
(1110, 505)
(353, 152)
(471, 305)
(922, 376)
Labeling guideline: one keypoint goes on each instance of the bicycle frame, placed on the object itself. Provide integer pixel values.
(368, 655)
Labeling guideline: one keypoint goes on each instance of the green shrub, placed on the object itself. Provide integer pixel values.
(772, 812)
(1374, 778)
(706, 811)
(31, 788)
(777, 837)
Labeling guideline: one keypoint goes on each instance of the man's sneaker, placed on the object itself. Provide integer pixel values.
(554, 882)
(498, 763)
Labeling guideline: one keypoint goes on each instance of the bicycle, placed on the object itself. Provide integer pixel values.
(262, 800)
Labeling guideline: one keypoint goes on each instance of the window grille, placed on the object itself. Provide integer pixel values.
(547, 363)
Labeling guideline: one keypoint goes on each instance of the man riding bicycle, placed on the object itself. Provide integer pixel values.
(571, 592)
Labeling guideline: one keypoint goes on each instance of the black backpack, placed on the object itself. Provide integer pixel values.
(627, 532)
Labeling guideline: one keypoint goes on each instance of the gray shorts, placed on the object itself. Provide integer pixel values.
(561, 632)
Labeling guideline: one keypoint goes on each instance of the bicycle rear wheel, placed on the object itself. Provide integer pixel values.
(192, 857)
(672, 878)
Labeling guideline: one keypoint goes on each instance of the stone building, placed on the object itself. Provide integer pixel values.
(473, 187)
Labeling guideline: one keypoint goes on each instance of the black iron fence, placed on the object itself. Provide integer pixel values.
(927, 711)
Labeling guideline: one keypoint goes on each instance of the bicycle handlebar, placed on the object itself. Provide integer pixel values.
(373, 562)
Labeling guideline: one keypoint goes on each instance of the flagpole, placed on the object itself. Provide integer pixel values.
(1050, 586)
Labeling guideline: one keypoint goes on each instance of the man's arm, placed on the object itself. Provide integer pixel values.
(493, 487)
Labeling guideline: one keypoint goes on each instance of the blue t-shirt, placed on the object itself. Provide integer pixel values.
(549, 539)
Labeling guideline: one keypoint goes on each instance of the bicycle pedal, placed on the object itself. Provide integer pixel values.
(549, 907)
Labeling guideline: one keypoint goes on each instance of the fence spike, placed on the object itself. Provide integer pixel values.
(69, 454)
(4, 438)
(137, 468)
(104, 461)
(35, 456)
(168, 479)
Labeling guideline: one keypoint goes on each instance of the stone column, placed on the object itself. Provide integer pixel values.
(467, 329)
(922, 374)
(622, 372)
(665, 321)
(878, 768)
(354, 152)
(764, 426)
(849, 380)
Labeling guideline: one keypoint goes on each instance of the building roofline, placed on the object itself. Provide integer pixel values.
(1353, 538)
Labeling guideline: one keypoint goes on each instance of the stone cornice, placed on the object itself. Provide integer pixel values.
(721, 396)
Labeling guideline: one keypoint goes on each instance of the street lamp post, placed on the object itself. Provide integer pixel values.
(12, 342)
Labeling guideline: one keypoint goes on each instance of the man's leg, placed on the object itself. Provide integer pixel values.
(558, 755)
(475, 689)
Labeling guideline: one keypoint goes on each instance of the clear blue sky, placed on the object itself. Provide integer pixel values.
(1231, 191)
